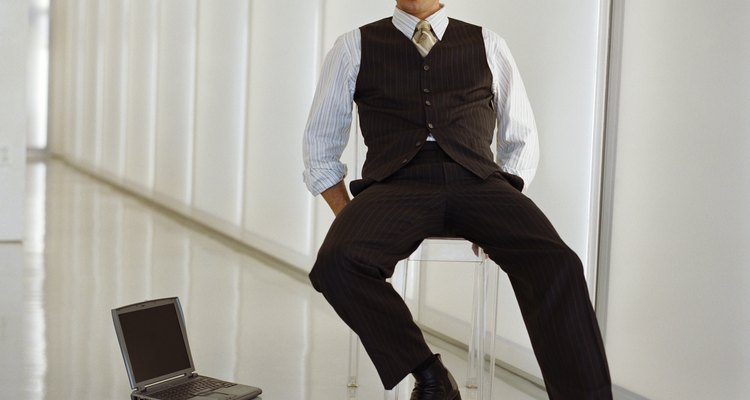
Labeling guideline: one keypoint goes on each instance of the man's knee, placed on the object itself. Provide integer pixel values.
(314, 280)
(319, 275)
(552, 263)
(342, 263)
(564, 260)
(567, 270)
(328, 267)
(572, 261)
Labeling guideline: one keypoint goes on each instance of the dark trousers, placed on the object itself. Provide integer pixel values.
(433, 196)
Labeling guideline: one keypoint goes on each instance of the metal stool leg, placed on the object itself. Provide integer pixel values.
(481, 368)
(353, 360)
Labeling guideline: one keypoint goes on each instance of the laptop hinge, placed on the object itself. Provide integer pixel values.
(167, 382)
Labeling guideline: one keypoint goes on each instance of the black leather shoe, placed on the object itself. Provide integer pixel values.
(435, 383)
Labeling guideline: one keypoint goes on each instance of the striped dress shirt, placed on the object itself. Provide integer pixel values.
(329, 122)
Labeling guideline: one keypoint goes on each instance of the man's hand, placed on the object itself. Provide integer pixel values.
(337, 197)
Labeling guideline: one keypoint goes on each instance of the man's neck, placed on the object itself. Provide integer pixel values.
(424, 14)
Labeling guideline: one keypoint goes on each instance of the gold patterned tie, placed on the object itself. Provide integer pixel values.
(423, 38)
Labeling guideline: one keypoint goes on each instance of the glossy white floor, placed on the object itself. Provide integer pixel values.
(90, 248)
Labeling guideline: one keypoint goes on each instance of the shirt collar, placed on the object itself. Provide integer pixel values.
(407, 23)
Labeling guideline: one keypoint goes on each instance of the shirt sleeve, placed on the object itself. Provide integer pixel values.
(517, 138)
(329, 123)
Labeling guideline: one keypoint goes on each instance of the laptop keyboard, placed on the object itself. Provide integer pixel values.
(191, 388)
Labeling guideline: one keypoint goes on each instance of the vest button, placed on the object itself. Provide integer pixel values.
(426, 67)
(428, 103)
(426, 90)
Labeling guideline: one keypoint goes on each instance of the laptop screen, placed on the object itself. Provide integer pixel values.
(153, 341)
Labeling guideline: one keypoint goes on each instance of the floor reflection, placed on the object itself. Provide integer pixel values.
(90, 248)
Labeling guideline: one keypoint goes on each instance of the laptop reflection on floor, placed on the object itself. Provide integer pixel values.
(154, 345)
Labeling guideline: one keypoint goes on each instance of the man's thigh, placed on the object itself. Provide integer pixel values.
(385, 223)
(501, 220)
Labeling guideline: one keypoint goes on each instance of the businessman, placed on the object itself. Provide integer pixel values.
(430, 92)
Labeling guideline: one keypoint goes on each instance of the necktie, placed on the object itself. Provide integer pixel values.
(423, 38)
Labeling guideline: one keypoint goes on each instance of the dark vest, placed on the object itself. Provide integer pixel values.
(402, 98)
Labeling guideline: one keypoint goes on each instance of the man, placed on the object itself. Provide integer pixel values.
(430, 91)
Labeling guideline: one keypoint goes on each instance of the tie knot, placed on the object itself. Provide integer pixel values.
(424, 26)
(423, 38)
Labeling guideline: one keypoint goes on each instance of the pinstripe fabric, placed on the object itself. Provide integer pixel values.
(329, 122)
(402, 97)
(434, 196)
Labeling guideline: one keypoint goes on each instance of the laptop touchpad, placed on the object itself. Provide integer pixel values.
(212, 396)
(235, 390)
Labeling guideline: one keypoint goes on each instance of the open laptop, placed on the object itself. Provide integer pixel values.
(154, 344)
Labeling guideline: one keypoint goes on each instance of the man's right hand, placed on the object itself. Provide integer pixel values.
(337, 197)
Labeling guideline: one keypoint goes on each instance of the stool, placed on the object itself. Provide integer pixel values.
(481, 362)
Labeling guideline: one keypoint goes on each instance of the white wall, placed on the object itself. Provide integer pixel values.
(140, 117)
(38, 72)
(220, 117)
(175, 102)
(13, 50)
(278, 212)
(677, 316)
(89, 102)
(114, 45)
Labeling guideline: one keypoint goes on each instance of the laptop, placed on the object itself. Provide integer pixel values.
(154, 345)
